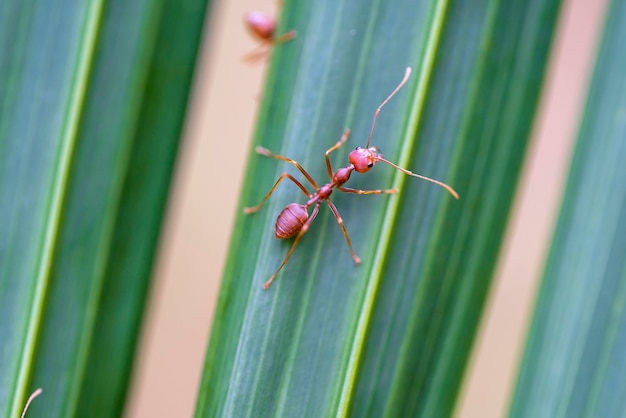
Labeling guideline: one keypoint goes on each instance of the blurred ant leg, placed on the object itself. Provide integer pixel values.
(359, 191)
(268, 153)
(305, 227)
(333, 208)
(344, 138)
(267, 196)
(287, 36)
(30, 399)
(257, 54)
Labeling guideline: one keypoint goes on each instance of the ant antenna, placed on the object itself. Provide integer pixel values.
(410, 173)
(406, 77)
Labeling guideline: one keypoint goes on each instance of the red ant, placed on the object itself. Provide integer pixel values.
(295, 219)
(263, 27)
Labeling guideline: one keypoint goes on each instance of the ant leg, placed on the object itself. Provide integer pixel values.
(344, 138)
(305, 227)
(359, 191)
(333, 208)
(267, 196)
(268, 153)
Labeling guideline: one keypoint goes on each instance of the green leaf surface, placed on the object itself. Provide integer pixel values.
(391, 336)
(92, 105)
(575, 359)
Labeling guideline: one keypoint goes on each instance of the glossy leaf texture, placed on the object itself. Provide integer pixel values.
(575, 358)
(93, 97)
(391, 336)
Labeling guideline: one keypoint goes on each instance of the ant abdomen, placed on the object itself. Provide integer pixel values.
(290, 221)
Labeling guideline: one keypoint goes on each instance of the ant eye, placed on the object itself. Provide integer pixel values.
(357, 148)
(370, 165)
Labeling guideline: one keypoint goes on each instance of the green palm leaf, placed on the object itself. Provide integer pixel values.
(93, 99)
(574, 360)
(392, 334)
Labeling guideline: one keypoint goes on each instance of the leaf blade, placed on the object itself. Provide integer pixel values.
(573, 351)
(287, 352)
(85, 93)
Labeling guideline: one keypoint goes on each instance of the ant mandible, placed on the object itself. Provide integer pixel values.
(263, 27)
(295, 219)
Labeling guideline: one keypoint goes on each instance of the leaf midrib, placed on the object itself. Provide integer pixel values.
(57, 197)
(392, 206)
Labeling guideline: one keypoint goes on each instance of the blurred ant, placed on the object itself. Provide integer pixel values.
(295, 219)
(263, 27)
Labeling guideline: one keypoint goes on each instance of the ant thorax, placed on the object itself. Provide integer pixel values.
(342, 175)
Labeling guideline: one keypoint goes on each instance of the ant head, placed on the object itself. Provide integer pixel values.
(260, 25)
(363, 159)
